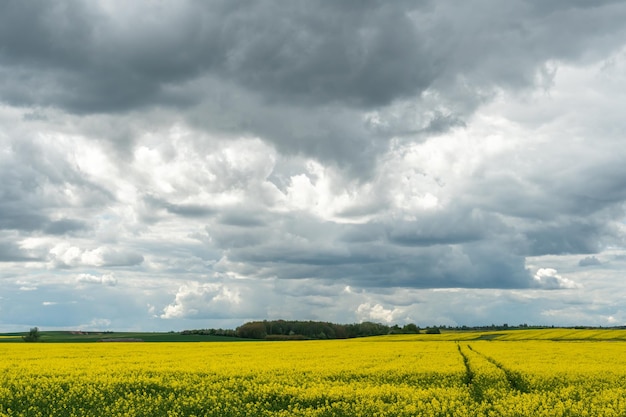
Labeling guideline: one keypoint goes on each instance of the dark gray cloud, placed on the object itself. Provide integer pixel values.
(589, 261)
(249, 64)
(183, 210)
(442, 228)
(242, 218)
(568, 238)
(64, 226)
(41, 188)
(9, 252)
(322, 53)
(364, 54)
(367, 256)
(311, 53)
(17, 218)
(119, 258)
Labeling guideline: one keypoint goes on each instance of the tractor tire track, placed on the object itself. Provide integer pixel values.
(514, 378)
(469, 374)
(475, 390)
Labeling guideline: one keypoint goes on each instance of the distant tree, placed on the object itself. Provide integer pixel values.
(410, 328)
(433, 330)
(210, 332)
(252, 330)
(395, 329)
(308, 329)
(32, 336)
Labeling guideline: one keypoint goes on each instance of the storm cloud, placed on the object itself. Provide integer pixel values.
(212, 162)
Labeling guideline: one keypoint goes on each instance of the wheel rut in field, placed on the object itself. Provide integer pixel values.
(515, 379)
(475, 390)
(469, 374)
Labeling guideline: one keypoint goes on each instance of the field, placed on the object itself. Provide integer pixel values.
(76, 337)
(518, 373)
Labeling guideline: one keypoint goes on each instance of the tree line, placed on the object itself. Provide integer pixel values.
(295, 329)
(211, 332)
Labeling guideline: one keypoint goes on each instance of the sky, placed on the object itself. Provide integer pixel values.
(170, 165)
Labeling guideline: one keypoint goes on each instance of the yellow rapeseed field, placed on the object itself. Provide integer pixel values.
(380, 376)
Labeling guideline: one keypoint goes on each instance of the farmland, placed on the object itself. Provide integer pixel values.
(521, 373)
(80, 337)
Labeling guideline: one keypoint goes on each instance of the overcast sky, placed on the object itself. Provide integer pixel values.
(170, 165)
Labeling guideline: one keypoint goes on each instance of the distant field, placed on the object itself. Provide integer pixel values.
(542, 373)
(519, 335)
(75, 337)
(555, 334)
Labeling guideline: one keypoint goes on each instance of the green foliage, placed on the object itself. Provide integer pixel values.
(252, 330)
(410, 328)
(290, 330)
(210, 332)
(33, 335)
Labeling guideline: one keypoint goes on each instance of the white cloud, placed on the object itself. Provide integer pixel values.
(375, 312)
(549, 278)
(199, 300)
(105, 279)
(65, 255)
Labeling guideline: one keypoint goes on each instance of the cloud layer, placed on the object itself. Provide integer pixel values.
(203, 164)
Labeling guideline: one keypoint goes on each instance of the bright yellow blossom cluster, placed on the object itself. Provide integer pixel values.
(382, 376)
(560, 378)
